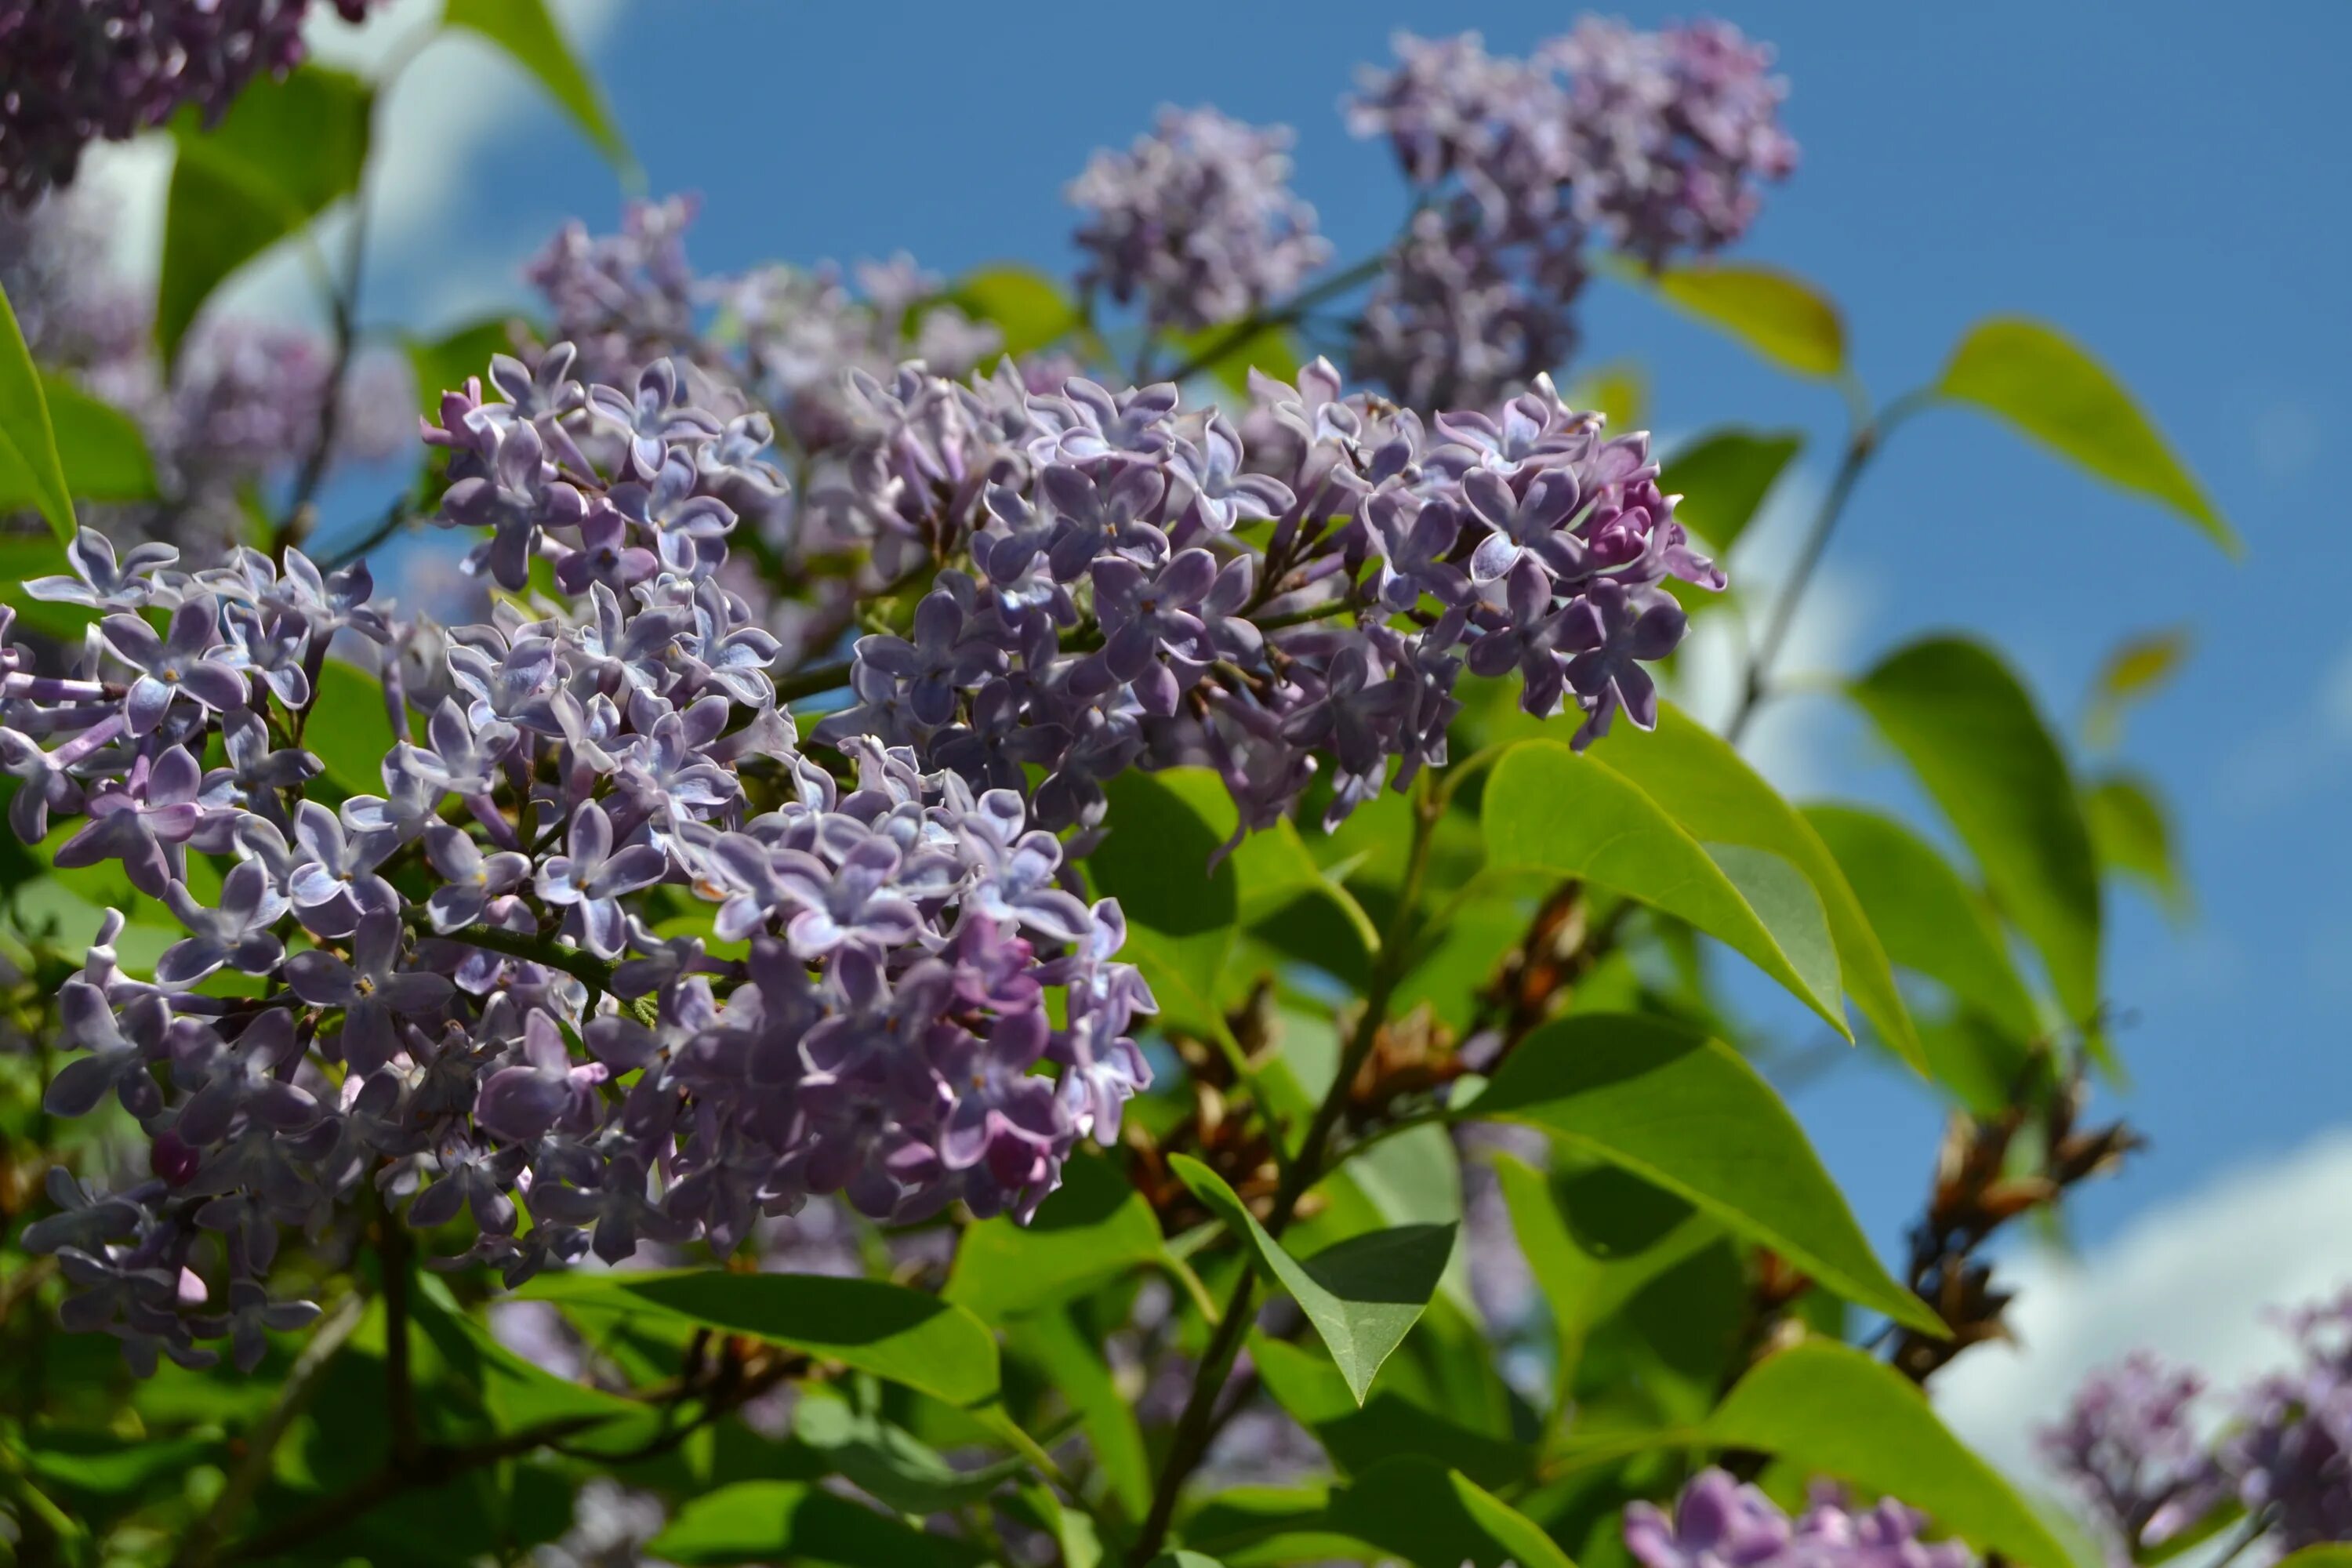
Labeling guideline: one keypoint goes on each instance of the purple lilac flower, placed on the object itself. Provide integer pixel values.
(1196, 223)
(2290, 1456)
(2130, 1447)
(1719, 1522)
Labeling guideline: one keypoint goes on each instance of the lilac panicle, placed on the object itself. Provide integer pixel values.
(2130, 1447)
(1719, 1522)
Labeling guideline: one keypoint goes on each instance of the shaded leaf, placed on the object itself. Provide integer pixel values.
(1832, 1409)
(29, 464)
(1388, 1425)
(1028, 307)
(1095, 1226)
(527, 32)
(1362, 1294)
(1929, 919)
(2042, 383)
(1723, 478)
(1686, 1113)
(1547, 808)
(896, 1334)
(1437, 1518)
(766, 1522)
(1701, 780)
(441, 364)
(1774, 313)
(1971, 734)
(285, 152)
(349, 730)
(2129, 829)
(1073, 1364)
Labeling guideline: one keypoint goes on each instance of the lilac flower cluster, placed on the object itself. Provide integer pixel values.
(1197, 222)
(1117, 609)
(607, 951)
(2134, 1446)
(1654, 141)
(1717, 1522)
(78, 71)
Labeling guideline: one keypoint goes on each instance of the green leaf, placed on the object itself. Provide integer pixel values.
(765, 1522)
(1363, 1294)
(441, 364)
(1389, 1424)
(1547, 808)
(2137, 667)
(104, 1464)
(1093, 1227)
(1724, 476)
(1929, 918)
(1028, 307)
(1073, 1365)
(2042, 383)
(348, 728)
(1704, 784)
(901, 1335)
(1830, 1408)
(2329, 1554)
(101, 447)
(904, 1473)
(1618, 391)
(516, 1392)
(1437, 1518)
(1684, 1112)
(528, 33)
(285, 151)
(1268, 350)
(29, 441)
(1971, 734)
(2129, 830)
(1196, 1559)
(1777, 313)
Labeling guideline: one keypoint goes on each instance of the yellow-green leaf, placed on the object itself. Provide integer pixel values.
(29, 441)
(527, 32)
(1724, 476)
(2043, 384)
(1775, 313)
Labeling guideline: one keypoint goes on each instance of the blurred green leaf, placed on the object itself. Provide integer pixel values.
(1929, 919)
(1029, 308)
(2329, 1554)
(1774, 313)
(2042, 383)
(766, 1522)
(29, 464)
(2136, 670)
(106, 1464)
(2130, 831)
(1437, 1518)
(349, 730)
(517, 1393)
(285, 152)
(1357, 1438)
(1619, 391)
(441, 364)
(1547, 808)
(1268, 350)
(1832, 1409)
(527, 32)
(103, 453)
(1094, 1227)
(1723, 478)
(1073, 1365)
(1362, 1294)
(901, 1336)
(1971, 734)
(888, 1462)
(1704, 784)
(1196, 1559)
(1684, 1112)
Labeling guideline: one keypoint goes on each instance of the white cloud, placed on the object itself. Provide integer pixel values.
(436, 126)
(2191, 1281)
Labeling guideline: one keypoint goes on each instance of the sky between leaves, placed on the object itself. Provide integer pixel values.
(2157, 190)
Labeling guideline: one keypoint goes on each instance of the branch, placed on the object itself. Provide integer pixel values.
(584, 967)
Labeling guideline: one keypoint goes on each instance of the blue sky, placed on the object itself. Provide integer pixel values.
(2167, 186)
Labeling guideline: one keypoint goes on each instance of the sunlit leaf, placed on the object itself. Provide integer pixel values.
(1549, 808)
(1029, 308)
(1684, 1112)
(1971, 734)
(441, 364)
(349, 730)
(1363, 1294)
(527, 32)
(1834, 1410)
(2136, 669)
(888, 1462)
(1774, 313)
(1267, 349)
(1619, 391)
(29, 464)
(101, 447)
(2132, 837)
(1094, 1227)
(2042, 383)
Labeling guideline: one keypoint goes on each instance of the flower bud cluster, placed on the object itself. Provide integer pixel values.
(1717, 1522)
(86, 70)
(607, 960)
(1653, 142)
